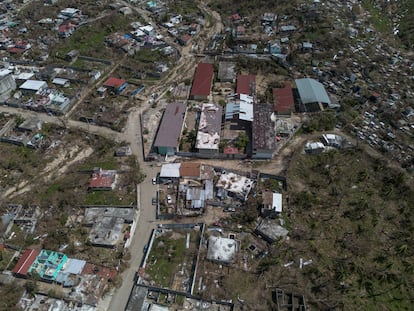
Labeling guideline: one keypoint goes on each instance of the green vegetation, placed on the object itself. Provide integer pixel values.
(5, 257)
(10, 295)
(322, 121)
(407, 23)
(108, 198)
(378, 19)
(166, 256)
(89, 39)
(169, 255)
(356, 224)
(242, 141)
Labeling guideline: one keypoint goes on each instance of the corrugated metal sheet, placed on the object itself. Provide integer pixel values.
(312, 91)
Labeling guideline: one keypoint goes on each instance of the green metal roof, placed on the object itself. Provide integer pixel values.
(312, 91)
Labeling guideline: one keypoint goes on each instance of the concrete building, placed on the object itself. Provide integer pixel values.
(169, 131)
(236, 185)
(48, 264)
(209, 129)
(222, 250)
(263, 132)
(312, 95)
(107, 224)
(271, 204)
(7, 85)
(203, 78)
(227, 72)
(270, 230)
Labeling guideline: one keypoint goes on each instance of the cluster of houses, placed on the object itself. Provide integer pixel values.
(262, 122)
(85, 280)
(25, 134)
(33, 94)
(140, 37)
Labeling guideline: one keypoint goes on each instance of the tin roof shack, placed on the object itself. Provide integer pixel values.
(284, 103)
(31, 87)
(190, 170)
(270, 231)
(313, 96)
(48, 264)
(269, 19)
(107, 224)
(169, 131)
(271, 204)
(246, 84)
(7, 84)
(263, 132)
(227, 72)
(102, 180)
(236, 185)
(209, 129)
(203, 79)
(240, 109)
(115, 85)
(222, 250)
(25, 261)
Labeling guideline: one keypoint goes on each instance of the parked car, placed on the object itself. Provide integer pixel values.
(154, 181)
(154, 201)
(169, 199)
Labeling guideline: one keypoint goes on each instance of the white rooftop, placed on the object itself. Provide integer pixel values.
(4, 72)
(221, 249)
(277, 202)
(24, 76)
(170, 170)
(33, 85)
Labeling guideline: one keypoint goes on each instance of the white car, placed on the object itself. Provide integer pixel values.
(169, 199)
(154, 181)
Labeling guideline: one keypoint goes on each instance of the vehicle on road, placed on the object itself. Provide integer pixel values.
(169, 199)
(154, 201)
(154, 181)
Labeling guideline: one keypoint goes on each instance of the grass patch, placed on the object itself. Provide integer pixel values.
(108, 198)
(166, 255)
(378, 19)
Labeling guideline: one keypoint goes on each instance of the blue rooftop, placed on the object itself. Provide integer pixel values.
(312, 91)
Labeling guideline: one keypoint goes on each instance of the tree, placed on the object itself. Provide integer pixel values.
(242, 140)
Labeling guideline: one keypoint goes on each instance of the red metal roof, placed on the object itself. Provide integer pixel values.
(246, 84)
(283, 99)
(114, 82)
(25, 261)
(202, 80)
(101, 182)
